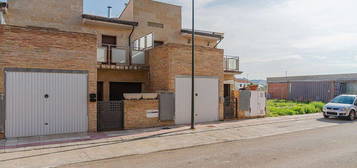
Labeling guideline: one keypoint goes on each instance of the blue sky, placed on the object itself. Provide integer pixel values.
(272, 37)
(99, 7)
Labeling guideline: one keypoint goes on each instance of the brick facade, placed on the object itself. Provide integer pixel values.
(170, 60)
(55, 47)
(24, 47)
(135, 114)
(107, 76)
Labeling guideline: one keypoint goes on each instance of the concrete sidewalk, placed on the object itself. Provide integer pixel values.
(55, 151)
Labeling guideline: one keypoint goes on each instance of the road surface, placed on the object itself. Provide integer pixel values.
(329, 147)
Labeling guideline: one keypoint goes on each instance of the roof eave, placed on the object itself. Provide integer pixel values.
(212, 34)
(109, 20)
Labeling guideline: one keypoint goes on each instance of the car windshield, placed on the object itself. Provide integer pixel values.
(343, 100)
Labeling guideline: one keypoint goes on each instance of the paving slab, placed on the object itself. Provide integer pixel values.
(55, 151)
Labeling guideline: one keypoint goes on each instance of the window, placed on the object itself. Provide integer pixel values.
(142, 43)
(109, 40)
(2, 18)
(149, 40)
(145, 42)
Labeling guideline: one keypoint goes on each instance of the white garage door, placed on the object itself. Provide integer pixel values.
(40, 103)
(206, 100)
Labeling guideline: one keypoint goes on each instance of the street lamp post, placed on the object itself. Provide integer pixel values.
(193, 68)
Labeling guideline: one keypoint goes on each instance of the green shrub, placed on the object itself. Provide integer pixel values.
(284, 107)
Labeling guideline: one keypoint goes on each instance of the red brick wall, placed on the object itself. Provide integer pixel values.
(24, 47)
(278, 90)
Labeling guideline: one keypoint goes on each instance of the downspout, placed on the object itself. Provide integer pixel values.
(130, 47)
(220, 40)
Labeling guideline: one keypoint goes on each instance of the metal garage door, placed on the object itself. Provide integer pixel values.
(206, 100)
(43, 103)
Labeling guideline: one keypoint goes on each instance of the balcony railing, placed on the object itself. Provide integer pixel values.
(115, 55)
(231, 64)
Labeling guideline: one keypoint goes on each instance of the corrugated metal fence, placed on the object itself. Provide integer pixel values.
(312, 91)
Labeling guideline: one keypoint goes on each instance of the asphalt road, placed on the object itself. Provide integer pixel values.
(329, 147)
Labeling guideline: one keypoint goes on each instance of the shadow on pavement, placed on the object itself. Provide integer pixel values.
(335, 120)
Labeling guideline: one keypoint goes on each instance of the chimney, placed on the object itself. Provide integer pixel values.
(109, 11)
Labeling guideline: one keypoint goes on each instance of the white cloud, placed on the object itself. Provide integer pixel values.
(274, 36)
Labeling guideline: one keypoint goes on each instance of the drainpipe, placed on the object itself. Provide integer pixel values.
(130, 47)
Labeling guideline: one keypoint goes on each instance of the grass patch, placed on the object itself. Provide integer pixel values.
(284, 107)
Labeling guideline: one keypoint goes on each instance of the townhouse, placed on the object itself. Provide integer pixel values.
(63, 71)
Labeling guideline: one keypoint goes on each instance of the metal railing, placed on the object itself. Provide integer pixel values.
(231, 63)
(118, 55)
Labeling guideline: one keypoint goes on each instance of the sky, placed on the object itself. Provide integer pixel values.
(274, 37)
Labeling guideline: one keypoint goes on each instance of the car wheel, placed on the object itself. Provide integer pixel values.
(352, 115)
(326, 116)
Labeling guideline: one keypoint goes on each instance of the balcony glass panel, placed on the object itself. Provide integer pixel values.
(142, 43)
(138, 57)
(149, 41)
(101, 54)
(232, 64)
(119, 56)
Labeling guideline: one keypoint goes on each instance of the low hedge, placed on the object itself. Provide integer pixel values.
(284, 107)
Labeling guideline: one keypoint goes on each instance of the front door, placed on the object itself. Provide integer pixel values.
(111, 113)
(229, 103)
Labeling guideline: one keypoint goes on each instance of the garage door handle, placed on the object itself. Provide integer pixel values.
(46, 123)
(196, 94)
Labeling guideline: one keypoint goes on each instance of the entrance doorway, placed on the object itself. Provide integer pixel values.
(117, 89)
(229, 103)
(111, 113)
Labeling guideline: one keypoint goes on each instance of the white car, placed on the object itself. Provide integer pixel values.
(343, 106)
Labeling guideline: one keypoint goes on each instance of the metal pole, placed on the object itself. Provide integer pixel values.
(193, 68)
(109, 11)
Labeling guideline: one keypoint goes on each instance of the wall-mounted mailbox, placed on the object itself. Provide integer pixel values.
(93, 97)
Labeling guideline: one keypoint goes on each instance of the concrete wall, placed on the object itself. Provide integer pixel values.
(170, 60)
(135, 114)
(107, 76)
(49, 49)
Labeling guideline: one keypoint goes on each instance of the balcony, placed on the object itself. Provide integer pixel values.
(117, 57)
(231, 64)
